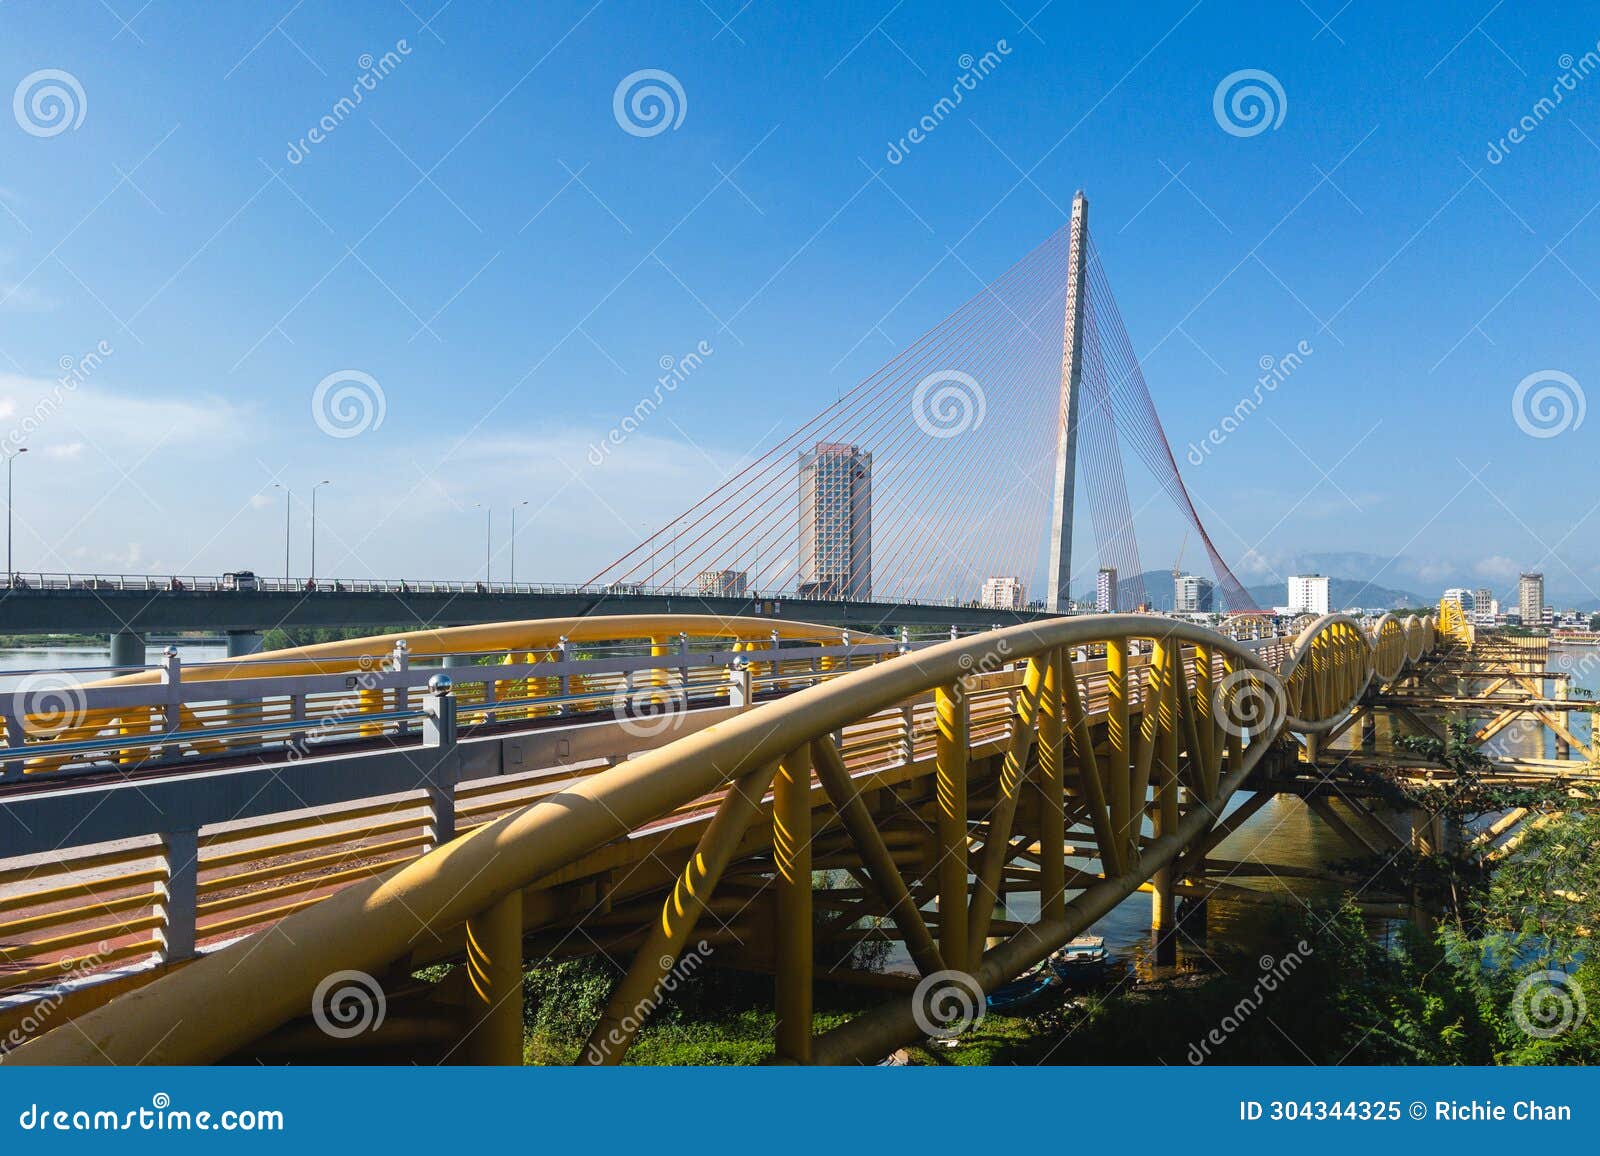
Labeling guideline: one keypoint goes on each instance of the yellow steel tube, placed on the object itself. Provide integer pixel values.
(952, 755)
(875, 855)
(1052, 814)
(625, 1010)
(1118, 769)
(223, 1000)
(791, 856)
(494, 983)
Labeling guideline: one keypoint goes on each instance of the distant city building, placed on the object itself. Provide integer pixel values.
(836, 522)
(1466, 601)
(1003, 593)
(1308, 594)
(1105, 590)
(1193, 594)
(1483, 606)
(1530, 599)
(723, 583)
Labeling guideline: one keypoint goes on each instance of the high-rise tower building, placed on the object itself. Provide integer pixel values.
(835, 522)
(1308, 594)
(1105, 590)
(1530, 598)
(1193, 594)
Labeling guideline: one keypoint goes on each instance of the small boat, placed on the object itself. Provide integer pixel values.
(1010, 998)
(1083, 960)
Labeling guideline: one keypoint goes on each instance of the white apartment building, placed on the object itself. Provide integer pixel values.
(1003, 592)
(1308, 594)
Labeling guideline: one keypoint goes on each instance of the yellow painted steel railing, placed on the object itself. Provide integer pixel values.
(938, 777)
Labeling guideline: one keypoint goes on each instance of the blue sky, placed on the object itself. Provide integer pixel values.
(482, 238)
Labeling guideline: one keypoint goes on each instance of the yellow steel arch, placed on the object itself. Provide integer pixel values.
(529, 634)
(527, 640)
(1178, 730)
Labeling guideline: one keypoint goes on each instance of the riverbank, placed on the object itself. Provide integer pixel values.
(1331, 994)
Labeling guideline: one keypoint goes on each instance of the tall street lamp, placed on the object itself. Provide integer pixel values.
(524, 502)
(314, 489)
(488, 537)
(288, 506)
(11, 574)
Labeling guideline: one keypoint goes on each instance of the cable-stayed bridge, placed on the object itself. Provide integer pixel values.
(957, 462)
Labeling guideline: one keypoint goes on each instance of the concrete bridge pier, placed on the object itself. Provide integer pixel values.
(127, 648)
(243, 642)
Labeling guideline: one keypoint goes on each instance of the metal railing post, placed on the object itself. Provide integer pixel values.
(564, 682)
(178, 906)
(172, 711)
(439, 749)
(402, 693)
(741, 685)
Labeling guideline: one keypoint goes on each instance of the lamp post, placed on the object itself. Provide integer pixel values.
(288, 506)
(488, 538)
(314, 489)
(11, 458)
(524, 502)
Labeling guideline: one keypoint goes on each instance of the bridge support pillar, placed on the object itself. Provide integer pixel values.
(1164, 917)
(127, 648)
(494, 980)
(791, 853)
(243, 642)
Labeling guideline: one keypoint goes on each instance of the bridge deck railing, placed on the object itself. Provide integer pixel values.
(56, 725)
(22, 581)
(141, 897)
